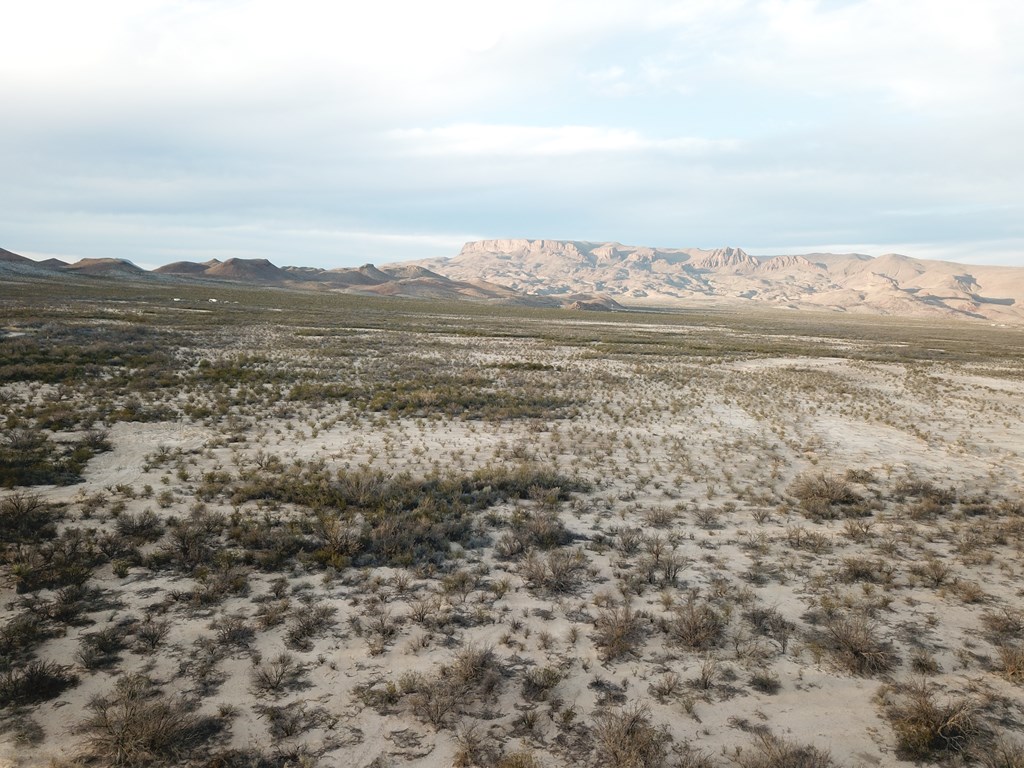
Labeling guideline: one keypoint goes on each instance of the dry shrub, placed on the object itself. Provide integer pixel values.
(1001, 753)
(697, 625)
(474, 672)
(821, 493)
(619, 630)
(519, 760)
(36, 681)
(559, 572)
(137, 725)
(774, 752)
(626, 739)
(277, 675)
(1011, 663)
(854, 643)
(1003, 625)
(926, 728)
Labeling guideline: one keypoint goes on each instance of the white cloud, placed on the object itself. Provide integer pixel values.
(340, 125)
(520, 140)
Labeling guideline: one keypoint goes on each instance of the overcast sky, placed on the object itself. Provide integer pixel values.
(336, 133)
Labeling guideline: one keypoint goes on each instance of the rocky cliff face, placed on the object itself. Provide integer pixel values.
(646, 276)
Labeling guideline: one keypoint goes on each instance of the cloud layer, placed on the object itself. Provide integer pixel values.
(320, 133)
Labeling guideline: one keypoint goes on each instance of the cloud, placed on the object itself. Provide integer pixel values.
(318, 130)
(479, 139)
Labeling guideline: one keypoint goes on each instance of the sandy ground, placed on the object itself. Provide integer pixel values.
(700, 455)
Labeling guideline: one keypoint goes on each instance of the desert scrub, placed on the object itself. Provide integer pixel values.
(66, 560)
(926, 728)
(277, 676)
(395, 519)
(36, 681)
(619, 631)
(28, 456)
(771, 751)
(475, 673)
(139, 725)
(26, 518)
(825, 497)
(625, 738)
(697, 625)
(854, 643)
(559, 571)
(309, 622)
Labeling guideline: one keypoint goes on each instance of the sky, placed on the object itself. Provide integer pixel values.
(332, 134)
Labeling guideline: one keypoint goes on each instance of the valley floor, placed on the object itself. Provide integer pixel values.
(400, 534)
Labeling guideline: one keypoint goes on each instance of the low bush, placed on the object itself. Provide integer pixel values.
(26, 518)
(697, 625)
(36, 681)
(854, 643)
(824, 497)
(139, 725)
(619, 630)
(770, 751)
(625, 738)
(926, 728)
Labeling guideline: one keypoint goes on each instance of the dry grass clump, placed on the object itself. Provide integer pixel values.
(519, 760)
(853, 641)
(1011, 663)
(277, 675)
(626, 739)
(772, 751)
(139, 725)
(619, 630)
(309, 622)
(768, 622)
(823, 496)
(558, 572)
(926, 728)
(1000, 753)
(1003, 626)
(436, 699)
(697, 625)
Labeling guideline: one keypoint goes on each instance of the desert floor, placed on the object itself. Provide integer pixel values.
(276, 530)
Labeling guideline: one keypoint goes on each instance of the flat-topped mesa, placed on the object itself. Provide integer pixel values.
(566, 248)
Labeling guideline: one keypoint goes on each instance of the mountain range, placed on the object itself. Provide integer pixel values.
(590, 275)
(638, 276)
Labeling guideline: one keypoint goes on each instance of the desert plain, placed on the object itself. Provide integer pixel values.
(247, 526)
